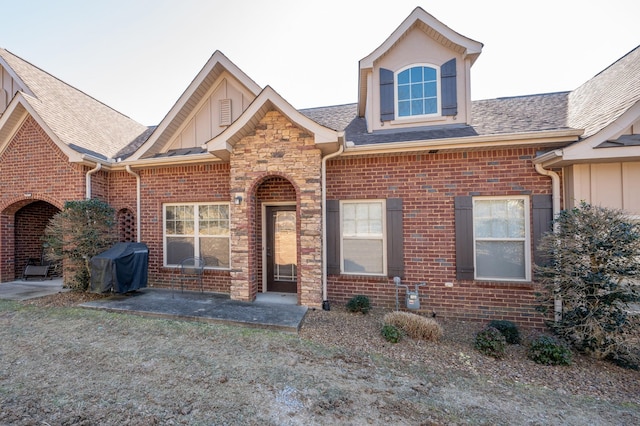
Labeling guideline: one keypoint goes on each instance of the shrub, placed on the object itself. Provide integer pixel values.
(508, 329)
(491, 342)
(414, 326)
(359, 303)
(391, 333)
(80, 231)
(548, 350)
(593, 259)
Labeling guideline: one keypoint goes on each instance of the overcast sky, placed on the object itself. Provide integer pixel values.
(138, 56)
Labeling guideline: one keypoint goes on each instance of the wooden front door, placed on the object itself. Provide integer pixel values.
(282, 249)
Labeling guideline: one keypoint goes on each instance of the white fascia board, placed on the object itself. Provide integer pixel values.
(587, 149)
(179, 160)
(223, 141)
(468, 142)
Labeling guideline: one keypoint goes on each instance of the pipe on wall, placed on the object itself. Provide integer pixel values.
(88, 179)
(325, 302)
(555, 196)
(138, 208)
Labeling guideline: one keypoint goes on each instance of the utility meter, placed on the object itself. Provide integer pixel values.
(412, 300)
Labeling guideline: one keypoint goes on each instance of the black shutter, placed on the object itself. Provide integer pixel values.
(448, 88)
(333, 237)
(387, 107)
(542, 223)
(464, 237)
(395, 238)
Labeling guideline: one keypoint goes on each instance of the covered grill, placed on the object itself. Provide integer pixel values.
(121, 269)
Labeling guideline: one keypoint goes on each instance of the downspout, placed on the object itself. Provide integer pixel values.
(88, 179)
(325, 302)
(138, 221)
(555, 196)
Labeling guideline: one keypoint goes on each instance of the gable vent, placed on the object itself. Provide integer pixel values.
(225, 112)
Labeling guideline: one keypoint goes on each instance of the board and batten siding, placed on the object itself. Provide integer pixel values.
(8, 88)
(205, 123)
(613, 185)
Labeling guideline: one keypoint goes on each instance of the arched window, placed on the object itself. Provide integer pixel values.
(418, 91)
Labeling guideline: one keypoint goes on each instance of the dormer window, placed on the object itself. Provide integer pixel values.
(417, 91)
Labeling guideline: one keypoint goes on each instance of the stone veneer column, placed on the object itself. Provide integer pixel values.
(277, 148)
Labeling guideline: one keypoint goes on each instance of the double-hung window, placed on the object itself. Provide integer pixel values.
(196, 230)
(417, 91)
(363, 240)
(501, 238)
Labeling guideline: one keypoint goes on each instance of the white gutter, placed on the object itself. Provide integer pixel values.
(555, 187)
(325, 302)
(138, 209)
(555, 190)
(88, 179)
(471, 142)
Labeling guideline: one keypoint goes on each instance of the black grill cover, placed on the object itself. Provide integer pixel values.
(121, 269)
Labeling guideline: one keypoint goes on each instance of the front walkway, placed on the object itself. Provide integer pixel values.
(207, 307)
(24, 290)
(271, 310)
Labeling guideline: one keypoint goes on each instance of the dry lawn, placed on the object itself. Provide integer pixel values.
(63, 365)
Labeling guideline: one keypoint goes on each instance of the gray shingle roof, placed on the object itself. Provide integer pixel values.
(335, 117)
(490, 117)
(78, 120)
(605, 97)
(592, 106)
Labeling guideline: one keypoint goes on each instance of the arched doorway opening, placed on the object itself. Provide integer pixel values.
(30, 221)
(277, 253)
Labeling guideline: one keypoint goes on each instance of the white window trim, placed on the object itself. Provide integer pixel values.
(438, 113)
(383, 204)
(527, 239)
(196, 227)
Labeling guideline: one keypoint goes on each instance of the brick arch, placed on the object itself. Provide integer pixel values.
(22, 225)
(12, 205)
(265, 177)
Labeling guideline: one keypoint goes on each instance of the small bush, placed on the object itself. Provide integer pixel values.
(548, 350)
(508, 329)
(359, 303)
(414, 326)
(491, 342)
(391, 333)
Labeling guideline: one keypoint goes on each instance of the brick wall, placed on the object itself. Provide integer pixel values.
(427, 184)
(181, 184)
(32, 169)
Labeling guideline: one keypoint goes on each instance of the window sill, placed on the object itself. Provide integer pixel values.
(367, 276)
(497, 283)
(206, 268)
(418, 120)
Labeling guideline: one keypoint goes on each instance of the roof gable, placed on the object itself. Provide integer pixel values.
(221, 146)
(77, 122)
(217, 66)
(604, 98)
(436, 30)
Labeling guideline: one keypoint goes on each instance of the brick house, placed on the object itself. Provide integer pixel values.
(414, 180)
